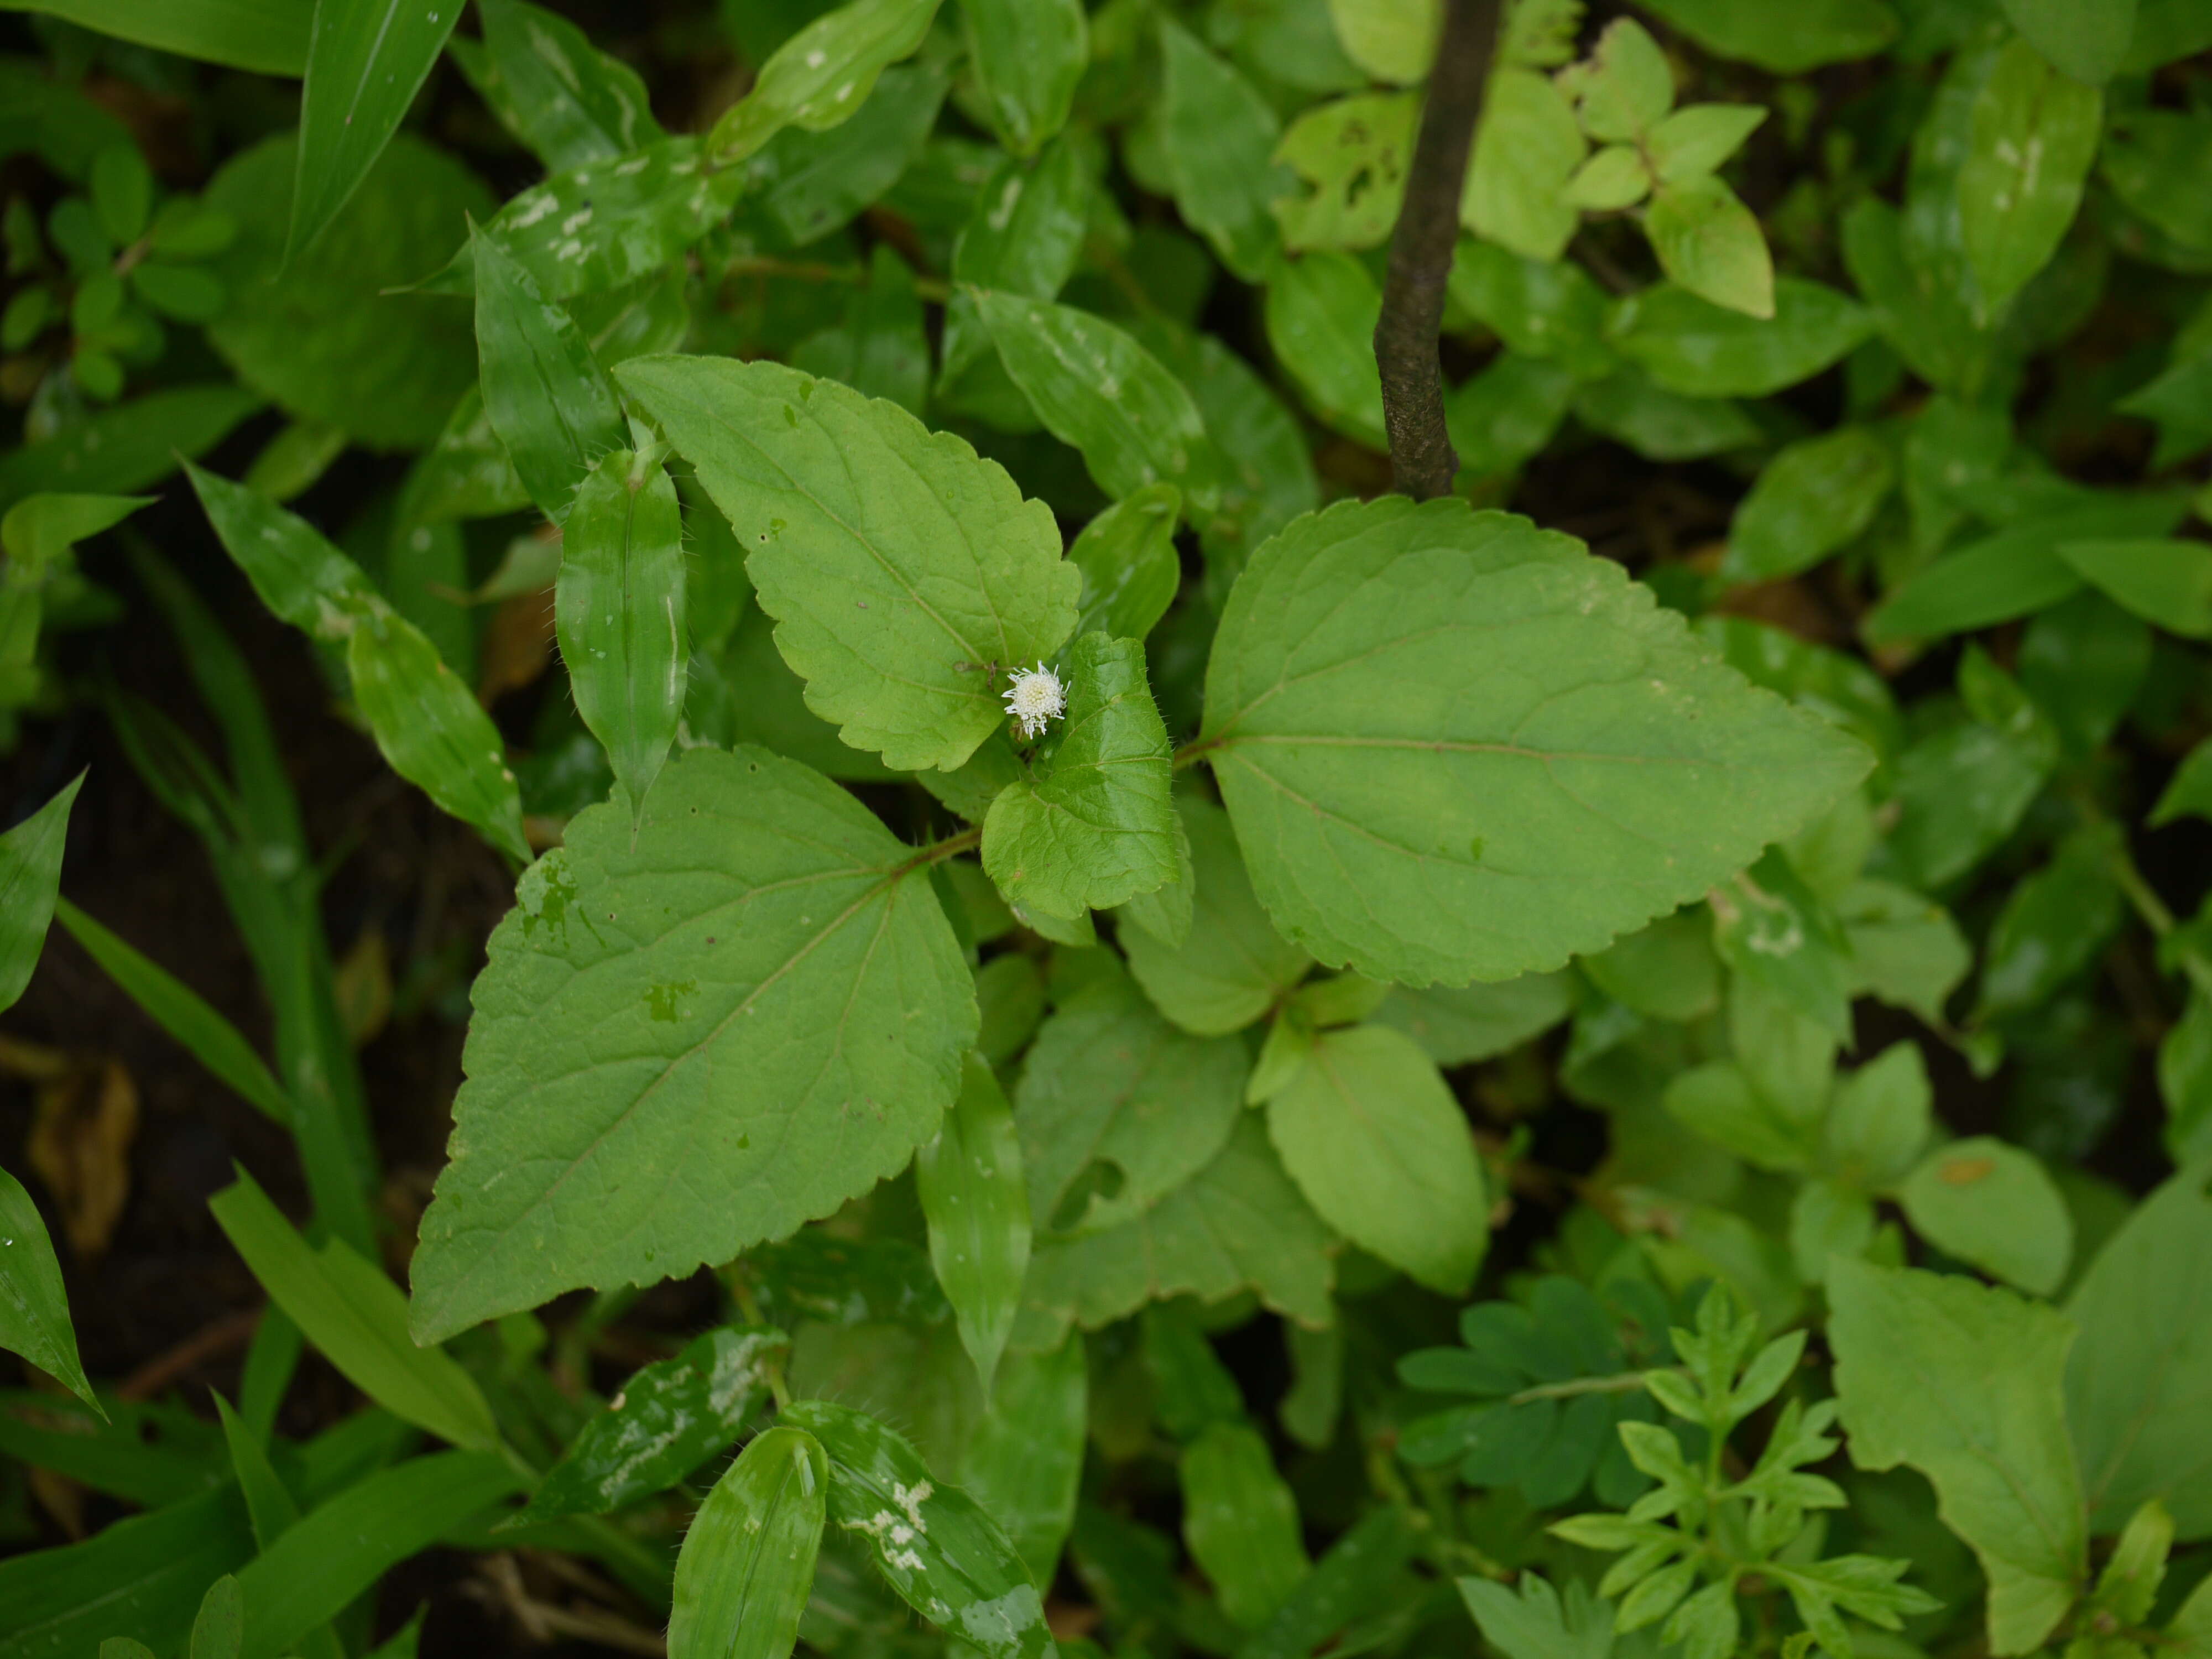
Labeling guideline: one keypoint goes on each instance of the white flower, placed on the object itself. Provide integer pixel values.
(1036, 696)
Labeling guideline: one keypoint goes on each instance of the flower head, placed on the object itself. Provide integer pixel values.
(1036, 696)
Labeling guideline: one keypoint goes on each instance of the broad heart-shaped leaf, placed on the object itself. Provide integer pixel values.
(2035, 135)
(1381, 1150)
(30, 880)
(2139, 1382)
(691, 1036)
(934, 1545)
(35, 1319)
(822, 75)
(900, 567)
(977, 1205)
(1117, 1109)
(1231, 966)
(1097, 389)
(1455, 747)
(1096, 827)
(428, 725)
(618, 609)
(671, 1417)
(547, 396)
(1965, 1383)
(747, 1564)
(366, 61)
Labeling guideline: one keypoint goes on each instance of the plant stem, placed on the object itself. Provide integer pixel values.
(1422, 461)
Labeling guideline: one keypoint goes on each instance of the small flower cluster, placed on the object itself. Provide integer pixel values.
(1036, 696)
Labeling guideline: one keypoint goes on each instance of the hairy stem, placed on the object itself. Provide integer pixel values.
(1422, 462)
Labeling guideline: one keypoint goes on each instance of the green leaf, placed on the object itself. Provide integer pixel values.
(1662, 425)
(1455, 1027)
(676, 1032)
(339, 1550)
(1024, 1461)
(365, 63)
(1130, 574)
(1392, 40)
(129, 447)
(747, 1564)
(34, 1319)
(2087, 39)
(606, 223)
(1668, 970)
(1097, 389)
(571, 103)
(1536, 1624)
(269, 37)
(145, 1572)
(977, 1204)
(1506, 414)
(429, 726)
(1990, 1203)
(1771, 928)
(1697, 139)
(356, 1318)
(2053, 924)
(1624, 88)
(821, 75)
(1321, 310)
(1527, 147)
(1219, 137)
(1027, 57)
(619, 613)
(30, 877)
(1092, 827)
(1785, 41)
(2168, 583)
(1241, 1522)
(1719, 1100)
(1423, 811)
(38, 532)
(1691, 345)
(933, 1543)
(177, 1009)
(2139, 1382)
(1233, 967)
(1117, 1109)
(1023, 236)
(220, 1630)
(1550, 309)
(1382, 1150)
(316, 331)
(545, 395)
(1710, 245)
(901, 567)
(811, 184)
(878, 348)
(2035, 135)
(667, 1419)
(1239, 1223)
(1880, 1119)
(1353, 152)
(2150, 158)
(1812, 498)
(1965, 1383)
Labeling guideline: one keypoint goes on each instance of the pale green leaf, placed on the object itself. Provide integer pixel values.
(1239, 1223)
(366, 61)
(1709, 244)
(1624, 88)
(1117, 1109)
(220, 1630)
(1455, 1026)
(618, 612)
(1092, 826)
(691, 1036)
(1697, 139)
(1097, 389)
(747, 1564)
(977, 1208)
(1383, 1153)
(1232, 967)
(1527, 147)
(1456, 747)
(821, 75)
(1027, 56)
(902, 569)
(2139, 1382)
(1965, 1383)
(356, 1318)
(1881, 1118)
(1392, 40)
(1989, 1203)
(2035, 135)
(1352, 153)
(544, 393)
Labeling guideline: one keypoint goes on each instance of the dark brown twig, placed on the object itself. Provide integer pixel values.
(1422, 461)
